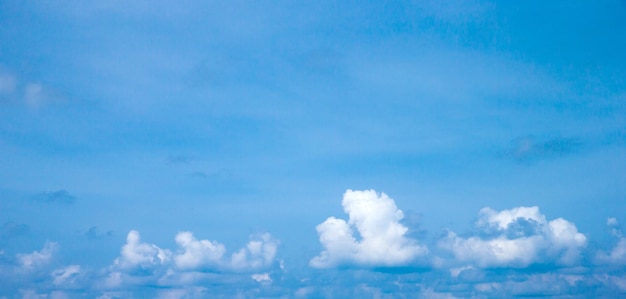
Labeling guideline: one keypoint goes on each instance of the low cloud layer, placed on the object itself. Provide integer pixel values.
(142, 262)
(367, 255)
(380, 242)
(518, 238)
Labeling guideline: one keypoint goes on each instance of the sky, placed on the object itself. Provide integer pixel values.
(312, 149)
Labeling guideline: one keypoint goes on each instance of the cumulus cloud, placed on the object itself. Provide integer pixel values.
(139, 256)
(517, 238)
(382, 241)
(204, 254)
(194, 260)
(196, 254)
(259, 252)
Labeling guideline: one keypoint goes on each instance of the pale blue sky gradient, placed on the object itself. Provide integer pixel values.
(235, 118)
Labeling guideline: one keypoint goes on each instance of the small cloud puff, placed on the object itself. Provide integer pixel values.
(617, 256)
(261, 277)
(383, 242)
(517, 238)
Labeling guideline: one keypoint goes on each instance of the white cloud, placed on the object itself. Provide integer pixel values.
(37, 259)
(259, 252)
(137, 255)
(517, 238)
(382, 237)
(197, 253)
(261, 277)
(195, 260)
(194, 292)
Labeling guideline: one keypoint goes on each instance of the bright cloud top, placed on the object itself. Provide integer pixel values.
(517, 238)
(377, 220)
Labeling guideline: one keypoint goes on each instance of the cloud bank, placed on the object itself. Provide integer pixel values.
(367, 255)
(381, 240)
(140, 262)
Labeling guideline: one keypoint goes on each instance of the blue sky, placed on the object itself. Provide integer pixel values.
(318, 149)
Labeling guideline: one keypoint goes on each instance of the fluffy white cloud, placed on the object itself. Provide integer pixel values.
(136, 255)
(197, 253)
(517, 238)
(195, 260)
(201, 254)
(382, 236)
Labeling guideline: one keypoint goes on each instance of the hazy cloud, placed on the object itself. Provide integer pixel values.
(8, 84)
(31, 94)
(528, 149)
(93, 233)
(617, 256)
(37, 259)
(180, 159)
(66, 276)
(60, 196)
(12, 229)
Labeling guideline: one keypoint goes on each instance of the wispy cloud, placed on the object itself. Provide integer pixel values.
(94, 233)
(529, 149)
(58, 197)
(12, 229)
(616, 257)
(33, 95)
